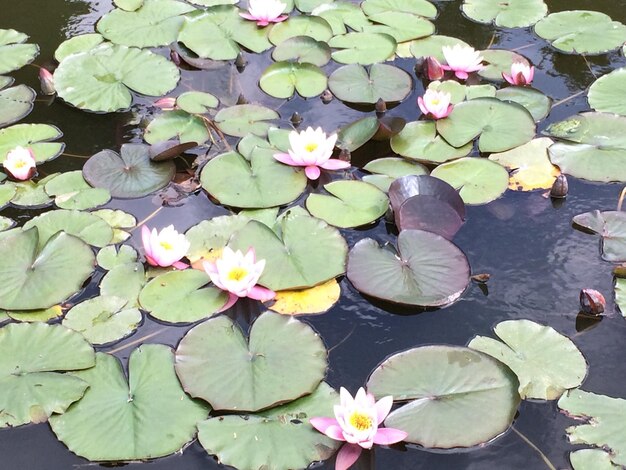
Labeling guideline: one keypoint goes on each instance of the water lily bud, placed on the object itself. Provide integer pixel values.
(434, 71)
(175, 57)
(165, 104)
(240, 62)
(326, 97)
(381, 106)
(47, 82)
(242, 99)
(560, 187)
(296, 119)
(592, 302)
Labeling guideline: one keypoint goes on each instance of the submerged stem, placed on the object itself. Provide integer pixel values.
(138, 340)
(621, 199)
(150, 216)
(74, 155)
(533, 446)
(569, 98)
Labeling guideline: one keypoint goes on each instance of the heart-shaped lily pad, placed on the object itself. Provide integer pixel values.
(546, 363)
(243, 119)
(302, 49)
(356, 84)
(14, 52)
(498, 125)
(608, 93)
(177, 124)
(15, 103)
(118, 420)
(362, 48)
(419, 141)
(37, 137)
(283, 359)
(611, 226)
(125, 281)
(180, 297)
(350, 204)
(111, 256)
(129, 174)
(198, 102)
(510, 14)
(457, 397)
(30, 194)
(71, 191)
(33, 358)
(428, 270)
(34, 278)
(307, 253)
(248, 442)
(283, 79)
(89, 228)
(101, 78)
(357, 133)
(303, 25)
(207, 238)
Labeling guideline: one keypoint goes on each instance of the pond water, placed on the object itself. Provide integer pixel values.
(537, 261)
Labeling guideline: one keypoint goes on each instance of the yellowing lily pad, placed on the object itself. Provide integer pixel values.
(318, 299)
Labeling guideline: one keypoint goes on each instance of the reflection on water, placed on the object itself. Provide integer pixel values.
(537, 262)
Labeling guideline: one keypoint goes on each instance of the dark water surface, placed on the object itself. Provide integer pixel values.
(538, 263)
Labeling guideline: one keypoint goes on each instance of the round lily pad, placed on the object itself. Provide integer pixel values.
(71, 191)
(15, 103)
(419, 141)
(103, 319)
(457, 397)
(101, 78)
(537, 104)
(76, 44)
(15, 53)
(311, 26)
(498, 125)
(243, 119)
(356, 84)
(576, 32)
(283, 359)
(362, 48)
(428, 270)
(546, 363)
(283, 79)
(608, 93)
(36, 137)
(620, 295)
(30, 194)
(197, 102)
(129, 174)
(261, 181)
(111, 256)
(180, 297)
(32, 277)
(177, 124)
(478, 180)
(125, 281)
(89, 228)
(118, 420)
(401, 26)
(249, 442)
(510, 14)
(33, 359)
(350, 204)
(207, 238)
(302, 49)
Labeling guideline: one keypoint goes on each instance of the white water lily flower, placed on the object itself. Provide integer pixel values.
(20, 163)
(164, 248)
(462, 60)
(265, 12)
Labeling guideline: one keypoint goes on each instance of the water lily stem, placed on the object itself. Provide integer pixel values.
(137, 341)
(75, 156)
(569, 98)
(493, 38)
(589, 67)
(621, 199)
(148, 217)
(528, 441)
(343, 340)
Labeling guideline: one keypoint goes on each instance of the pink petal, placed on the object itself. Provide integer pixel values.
(286, 159)
(280, 18)
(248, 16)
(145, 237)
(422, 105)
(461, 74)
(151, 261)
(383, 407)
(347, 455)
(232, 298)
(387, 436)
(312, 172)
(335, 164)
(328, 426)
(210, 268)
(261, 293)
(263, 22)
(180, 265)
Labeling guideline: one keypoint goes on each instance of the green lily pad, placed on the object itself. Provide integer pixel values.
(357, 133)
(432, 46)
(620, 295)
(604, 421)
(611, 226)
(249, 442)
(7, 191)
(283, 359)
(497, 61)
(260, 182)
(14, 52)
(428, 270)
(457, 397)
(608, 93)
(84, 225)
(459, 92)
(111, 256)
(546, 362)
(283, 79)
(419, 141)
(197, 102)
(101, 78)
(33, 278)
(478, 180)
(209, 236)
(576, 32)
(340, 15)
(499, 126)
(400, 25)
(179, 297)
(386, 170)
(31, 194)
(591, 459)
(537, 104)
(244, 119)
(125, 281)
(511, 14)
(350, 204)
(118, 220)
(71, 191)
(177, 124)
(311, 26)
(118, 420)
(302, 49)
(156, 23)
(37, 137)
(416, 7)
(103, 319)
(595, 147)
(39, 315)
(15, 103)
(129, 174)
(308, 252)
(33, 358)
(128, 5)
(356, 84)
(362, 48)
(6, 223)
(76, 44)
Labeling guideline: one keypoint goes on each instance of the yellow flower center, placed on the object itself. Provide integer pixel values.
(435, 101)
(237, 274)
(310, 147)
(20, 164)
(166, 245)
(360, 421)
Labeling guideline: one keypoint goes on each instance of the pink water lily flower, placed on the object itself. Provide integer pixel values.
(46, 79)
(312, 150)
(166, 104)
(265, 12)
(164, 248)
(435, 103)
(356, 422)
(238, 275)
(521, 74)
(20, 163)
(462, 60)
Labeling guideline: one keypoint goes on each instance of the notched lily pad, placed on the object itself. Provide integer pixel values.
(611, 226)
(14, 51)
(356, 84)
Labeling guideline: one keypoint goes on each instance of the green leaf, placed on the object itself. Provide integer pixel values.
(39, 315)
(111, 256)
(125, 281)
(302, 49)
(14, 53)
(76, 44)
(15, 103)
(400, 25)
(341, 15)
(311, 26)
(197, 102)
(611, 226)
(416, 7)
(355, 84)
(33, 358)
(620, 295)
(283, 79)
(419, 141)
(207, 238)
(283, 359)
(537, 104)
(119, 421)
(357, 133)
(177, 124)
(608, 93)
(591, 459)
(362, 48)
(118, 220)
(386, 170)
(432, 46)
(37, 137)
(458, 397)
(498, 61)
(84, 225)
(546, 363)
(510, 14)
(30, 194)
(71, 191)
(244, 119)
